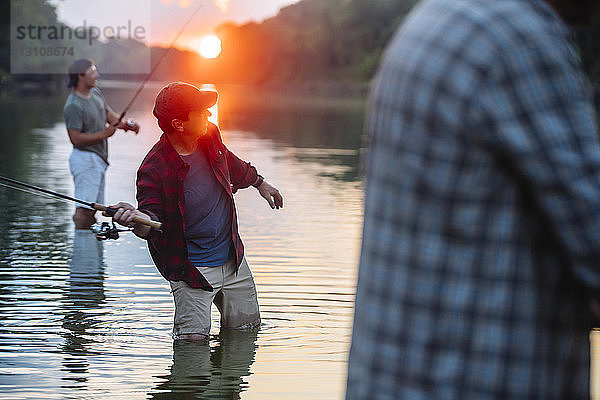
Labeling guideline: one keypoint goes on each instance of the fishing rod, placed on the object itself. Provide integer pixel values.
(139, 90)
(102, 231)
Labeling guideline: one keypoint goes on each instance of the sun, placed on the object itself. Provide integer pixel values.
(208, 46)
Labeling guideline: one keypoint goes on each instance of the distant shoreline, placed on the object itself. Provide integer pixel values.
(328, 89)
(311, 90)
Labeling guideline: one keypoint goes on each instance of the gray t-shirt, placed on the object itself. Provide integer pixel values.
(89, 116)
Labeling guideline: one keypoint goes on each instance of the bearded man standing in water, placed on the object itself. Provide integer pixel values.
(187, 182)
(480, 264)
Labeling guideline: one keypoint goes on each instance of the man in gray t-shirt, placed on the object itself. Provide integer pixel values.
(90, 122)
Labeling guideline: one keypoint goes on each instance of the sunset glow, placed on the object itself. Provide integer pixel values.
(207, 46)
(181, 3)
(222, 5)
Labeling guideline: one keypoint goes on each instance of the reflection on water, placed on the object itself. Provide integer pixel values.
(213, 370)
(316, 130)
(83, 301)
(326, 132)
(85, 319)
(82, 319)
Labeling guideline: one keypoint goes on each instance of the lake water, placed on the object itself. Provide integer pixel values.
(82, 319)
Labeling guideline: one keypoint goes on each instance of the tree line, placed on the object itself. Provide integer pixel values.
(310, 41)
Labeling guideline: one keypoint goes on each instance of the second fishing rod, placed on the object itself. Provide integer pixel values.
(156, 64)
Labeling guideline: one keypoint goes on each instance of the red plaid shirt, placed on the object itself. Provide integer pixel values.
(160, 195)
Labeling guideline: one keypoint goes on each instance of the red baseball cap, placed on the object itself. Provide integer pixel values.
(177, 99)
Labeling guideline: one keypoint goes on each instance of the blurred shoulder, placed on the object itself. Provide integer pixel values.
(465, 39)
(469, 22)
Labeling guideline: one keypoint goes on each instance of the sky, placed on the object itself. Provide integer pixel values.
(164, 18)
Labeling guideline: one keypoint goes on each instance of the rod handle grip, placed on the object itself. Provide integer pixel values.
(152, 224)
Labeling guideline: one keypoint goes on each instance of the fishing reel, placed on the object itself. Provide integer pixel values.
(105, 231)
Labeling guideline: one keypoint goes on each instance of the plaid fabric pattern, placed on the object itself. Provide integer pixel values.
(160, 194)
(481, 246)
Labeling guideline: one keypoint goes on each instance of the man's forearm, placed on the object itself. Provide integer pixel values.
(142, 231)
(259, 180)
(112, 117)
(79, 139)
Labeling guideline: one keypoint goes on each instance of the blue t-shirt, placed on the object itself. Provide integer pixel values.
(208, 214)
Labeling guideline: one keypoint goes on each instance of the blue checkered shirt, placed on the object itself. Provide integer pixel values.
(481, 246)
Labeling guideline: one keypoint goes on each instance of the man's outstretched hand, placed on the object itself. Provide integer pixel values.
(271, 194)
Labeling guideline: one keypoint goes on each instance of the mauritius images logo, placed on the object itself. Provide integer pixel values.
(47, 35)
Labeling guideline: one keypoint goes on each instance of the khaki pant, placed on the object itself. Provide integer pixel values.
(233, 294)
